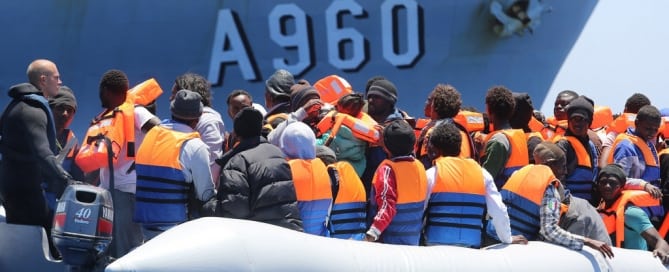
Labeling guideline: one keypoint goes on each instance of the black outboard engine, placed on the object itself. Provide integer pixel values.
(82, 225)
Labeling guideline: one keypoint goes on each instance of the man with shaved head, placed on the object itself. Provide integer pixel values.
(43, 74)
(28, 147)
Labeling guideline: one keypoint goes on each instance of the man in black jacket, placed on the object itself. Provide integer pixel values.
(256, 182)
(28, 147)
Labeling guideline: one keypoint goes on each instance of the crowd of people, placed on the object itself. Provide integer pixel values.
(324, 159)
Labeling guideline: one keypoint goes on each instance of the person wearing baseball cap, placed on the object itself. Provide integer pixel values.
(580, 151)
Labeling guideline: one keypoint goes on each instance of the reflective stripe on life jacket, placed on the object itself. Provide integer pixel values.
(349, 211)
(332, 87)
(361, 130)
(457, 205)
(162, 190)
(522, 194)
(411, 181)
(470, 121)
(314, 194)
(614, 216)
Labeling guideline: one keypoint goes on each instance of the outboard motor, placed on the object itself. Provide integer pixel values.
(82, 225)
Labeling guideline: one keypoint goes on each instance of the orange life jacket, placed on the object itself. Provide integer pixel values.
(601, 117)
(614, 216)
(457, 203)
(332, 87)
(146, 92)
(664, 128)
(648, 156)
(350, 186)
(162, 189)
(362, 130)
(466, 146)
(420, 124)
(664, 228)
(523, 194)
(314, 193)
(620, 124)
(518, 154)
(411, 181)
(559, 127)
(349, 211)
(471, 121)
(118, 126)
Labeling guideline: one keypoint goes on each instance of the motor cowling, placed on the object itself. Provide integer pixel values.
(82, 225)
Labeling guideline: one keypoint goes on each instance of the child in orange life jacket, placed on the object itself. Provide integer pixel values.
(310, 176)
(348, 131)
(399, 190)
(624, 220)
(348, 214)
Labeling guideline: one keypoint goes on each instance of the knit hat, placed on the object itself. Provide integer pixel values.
(299, 97)
(65, 97)
(279, 83)
(580, 106)
(385, 89)
(399, 138)
(549, 152)
(298, 141)
(612, 170)
(325, 154)
(187, 105)
(247, 123)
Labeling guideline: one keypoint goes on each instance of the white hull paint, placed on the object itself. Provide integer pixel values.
(219, 244)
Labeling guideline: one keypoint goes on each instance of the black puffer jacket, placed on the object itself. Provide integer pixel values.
(256, 184)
